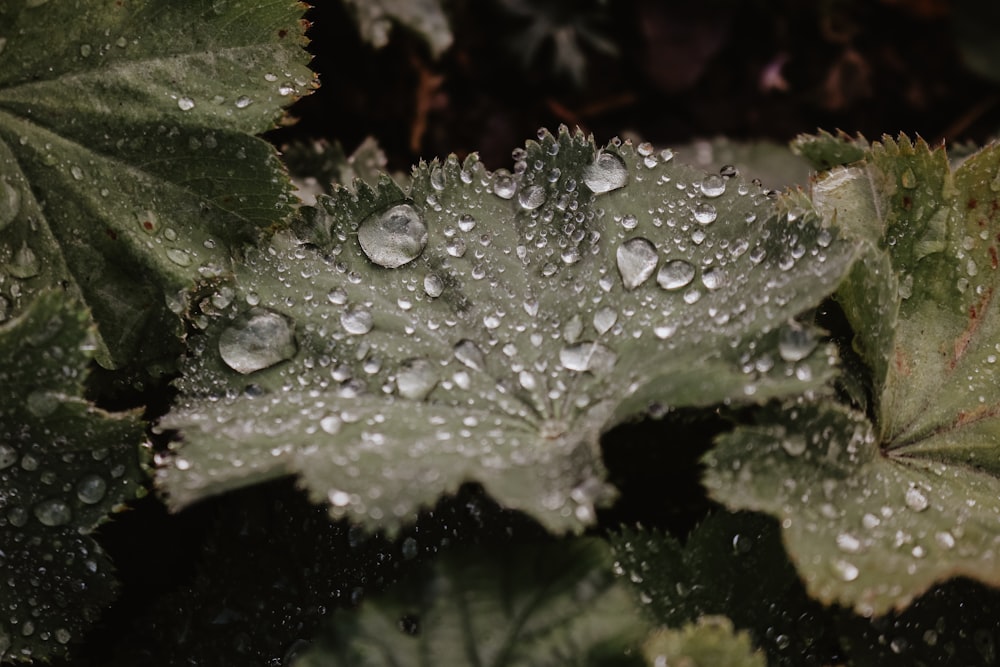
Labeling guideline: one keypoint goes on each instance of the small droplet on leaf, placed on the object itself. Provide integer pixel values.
(606, 173)
(256, 340)
(637, 261)
(675, 274)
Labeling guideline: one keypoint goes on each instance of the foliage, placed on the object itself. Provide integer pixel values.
(437, 358)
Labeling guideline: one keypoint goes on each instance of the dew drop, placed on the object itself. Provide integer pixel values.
(588, 356)
(433, 285)
(393, 238)
(531, 197)
(62, 636)
(848, 543)
(8, 456)
(636, 261)
(242, 102)
(91, 489)
(704, 213)
(357, 321)
(258, 339)
(713, 278)
(713, 185)
(795, 342)
(53, 512)
(794, 446)
(845, 570)
(604, 319)
(331, 424)
(339, 498)
(467, 352)
(10, 203)
(25, 263)
(466, 223)
(185, 104)
(504, 185)
(178, 256)
(675, 274)
(409, 548)
(415, 379)
(606, 173)
(916, 500)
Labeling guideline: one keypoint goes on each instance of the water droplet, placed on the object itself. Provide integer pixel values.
(62, 636)
(504, 185)
(794, 445)
(185, 104)
(8, 456)
(713, 278)
(242, 102)
(409, 548)
(704, 213)
(675, 274)
(394, 237)
(331, 424)
(91, 488)
(76, 173)
(713, 185)
(588, 356)
(795, 342)
(433, 285)
(945, 539)
(606, 173)
(636, 261)
(357, 321)
(845, 570)
(466, 223)
(339, 498)
(53, 512)
(10, 203)
(178, 256)
(467, 352)
(531, 197)
(848, 543)
(258, 339)
(25, 263)
(916, 500)
(604, 319)
(415, 379)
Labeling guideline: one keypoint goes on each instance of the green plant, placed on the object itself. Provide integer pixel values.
(434, 359)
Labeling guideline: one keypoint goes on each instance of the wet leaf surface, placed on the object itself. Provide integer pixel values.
(64, 467)
(710, 641)
(489, 326)
(875, 512)
(127, 165)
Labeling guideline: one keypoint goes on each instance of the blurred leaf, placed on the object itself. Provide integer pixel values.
(555, 604)
(488, 327)
(64, 466)
(711, 642)
(874, 513)
(825, 150)
(127, 168)
(426, 18)
(318, 166)
(774, 165)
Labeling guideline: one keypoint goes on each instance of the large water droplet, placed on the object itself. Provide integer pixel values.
(415, 379)
(185, 104)
(636, 261)
(713, 185)
(394, 237)
(433, 285)
(604, 319)
(704, 213)
(675, 274)
(258, 339)
(531, 197)
(795, 342)
(713, 278)
(357, 321)
(53, 512)
(91, 488)
(845, 570)
(504, 185)
(467, 352)
(606, 173)
(588, 356)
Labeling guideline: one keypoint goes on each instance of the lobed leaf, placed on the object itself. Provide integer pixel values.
(875, 512)
(711, 642)
(555, 604)
(64, 466)
(488, 327)
(127, 165)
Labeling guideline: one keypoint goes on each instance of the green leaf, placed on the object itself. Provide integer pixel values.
(732, 565)
(426, 18)
(825, 150)
(711, 642)
(127, 165)
(874, 513)
(775, 165)
(555, 604)
(489, 327)
(64, 466)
